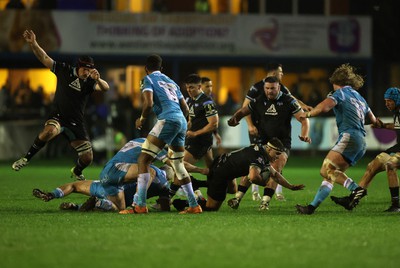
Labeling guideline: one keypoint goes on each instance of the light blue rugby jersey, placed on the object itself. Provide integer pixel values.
(166, 95)
(129, 153)
(350, 110)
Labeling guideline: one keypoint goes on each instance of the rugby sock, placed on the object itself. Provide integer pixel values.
(135, 199)
(241, 191)
(142, 182)
(350, 184)
(278, 189)
(394, 193)
(254, 188)
(79, 167)
(36, 146)
(323, 192)
(269, 192)
(104, 204)
(188, 189)
(58, 193)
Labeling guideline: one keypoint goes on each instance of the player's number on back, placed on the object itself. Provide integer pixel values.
(360, 107)
(170, 90)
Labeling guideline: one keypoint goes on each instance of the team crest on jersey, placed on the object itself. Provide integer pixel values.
(396, 122)
(75, 85)
(260, 160)
(271, 110)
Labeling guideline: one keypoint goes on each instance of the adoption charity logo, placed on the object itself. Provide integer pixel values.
(344, 36)
(267, 35)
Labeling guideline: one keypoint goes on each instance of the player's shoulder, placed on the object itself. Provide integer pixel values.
(205, 99)
(284, 89)
(61, 66)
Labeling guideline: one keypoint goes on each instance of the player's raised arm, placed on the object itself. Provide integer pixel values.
(40, 54)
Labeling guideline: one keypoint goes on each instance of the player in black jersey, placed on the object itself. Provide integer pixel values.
(203, 121)
(273, 110)
(273, 69)
(206, 86)
(252, 162)
(74, 86)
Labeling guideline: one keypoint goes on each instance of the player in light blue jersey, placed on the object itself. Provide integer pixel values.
(350, 109)
(163, 95)
(106, 197)
(123, 168)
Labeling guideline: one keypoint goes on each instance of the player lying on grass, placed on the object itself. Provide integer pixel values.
(104, 197)
(387, 160)
(123, 168)
(253, 161)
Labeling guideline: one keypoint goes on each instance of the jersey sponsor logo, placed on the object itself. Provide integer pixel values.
(271, 110)
(75, 85)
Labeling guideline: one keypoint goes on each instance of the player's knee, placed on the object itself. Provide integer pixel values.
(393, 162)
(390, 165)
(176, 159)
(381, 159)
(150, 149)
(52, 128)
(329, 170)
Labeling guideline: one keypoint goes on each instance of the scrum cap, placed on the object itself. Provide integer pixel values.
(393, 93)
(86, 61)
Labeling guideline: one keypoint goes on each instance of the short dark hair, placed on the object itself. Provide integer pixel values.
(193, 79)
(85, 61)
(271, 79)
(154, 62)
(272, 66)
(205, 79)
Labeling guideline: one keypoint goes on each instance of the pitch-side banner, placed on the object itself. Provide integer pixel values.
(189, 34)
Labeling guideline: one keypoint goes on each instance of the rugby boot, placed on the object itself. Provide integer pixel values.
(256, 196)
(280, 197)
(46, 197)
(69, 206)
(76, 176)
(264, 205)
(140, 210)
(342, 201)
(234, 203)
(192, 210)
(356, 196)
(126, 211)
(89, 204)
(20, 163)
(308, 210)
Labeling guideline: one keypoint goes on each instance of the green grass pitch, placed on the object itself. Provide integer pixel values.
(37, 234)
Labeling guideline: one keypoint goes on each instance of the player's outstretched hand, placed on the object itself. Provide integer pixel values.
(29, 36)
(378, 123)
(296, 187)
(305, 139)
